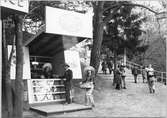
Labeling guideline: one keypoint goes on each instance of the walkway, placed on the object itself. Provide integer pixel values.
(135, 101)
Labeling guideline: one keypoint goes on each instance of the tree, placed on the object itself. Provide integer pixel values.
(97, 34)
(123, 31)
(155, 30)
(101, 21)
(18, 94)
(6, 80)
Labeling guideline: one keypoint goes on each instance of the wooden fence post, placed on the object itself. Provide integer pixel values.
(162, 77)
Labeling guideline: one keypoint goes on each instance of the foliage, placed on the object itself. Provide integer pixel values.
(123, 31)
(154, 36)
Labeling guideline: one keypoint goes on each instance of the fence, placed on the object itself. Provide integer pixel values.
(161, 76)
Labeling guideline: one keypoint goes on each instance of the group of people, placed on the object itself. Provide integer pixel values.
(107, 64)
(148, 75)
(68, 75)
(88, 82)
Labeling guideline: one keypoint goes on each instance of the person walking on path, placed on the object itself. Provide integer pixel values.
(144, 74)
(88, 85)
(123, 76)
(68, 75)
(104, 67)
(118, 78)
(135, 73)
(151, 78)
(110, 65)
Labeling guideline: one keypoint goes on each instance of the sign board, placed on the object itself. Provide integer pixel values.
(68, 23)
(19, 5)
(73, 60)
(26, 63)
(44, 90)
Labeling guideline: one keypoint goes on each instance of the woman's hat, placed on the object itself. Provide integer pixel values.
(122, 64)
(47, 65)
(89, 68)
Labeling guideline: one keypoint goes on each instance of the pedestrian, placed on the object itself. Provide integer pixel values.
(151, 78)
(88, 85)
(144, 74)
(110, 66)
(123, 76)
(68, 75)
(118, 79)
(135, 73)
(104, 67)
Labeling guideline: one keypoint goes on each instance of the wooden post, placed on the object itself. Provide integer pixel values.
(124, 61)
(165, 79)
(0, 66)
(6, 77)
(18, 97)
(162, 77)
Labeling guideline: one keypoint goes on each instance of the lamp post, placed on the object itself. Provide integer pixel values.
(124, 57)
(0, 65)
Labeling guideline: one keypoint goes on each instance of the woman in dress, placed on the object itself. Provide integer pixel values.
(88, 84)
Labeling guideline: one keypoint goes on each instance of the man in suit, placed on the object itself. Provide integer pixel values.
(135, 73)
(68, 75)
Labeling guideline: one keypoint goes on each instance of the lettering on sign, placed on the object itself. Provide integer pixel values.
(19, 3)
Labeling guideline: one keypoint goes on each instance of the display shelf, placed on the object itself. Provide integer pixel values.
(52, 86)
(49, 93)
(46, 90)
(56, 79)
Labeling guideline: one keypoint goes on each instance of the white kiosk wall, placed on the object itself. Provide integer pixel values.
(26, 63)
(64, 22)
(73, 60)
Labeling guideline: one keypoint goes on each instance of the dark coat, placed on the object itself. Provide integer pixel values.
(118, 76)
(109, 63)
(134, 71)
(68, 75)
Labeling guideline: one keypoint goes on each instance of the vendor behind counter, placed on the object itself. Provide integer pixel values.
(47, 71)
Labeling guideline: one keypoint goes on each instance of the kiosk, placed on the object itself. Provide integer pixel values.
(62, 30)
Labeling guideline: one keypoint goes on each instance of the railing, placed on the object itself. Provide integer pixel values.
(161, 76)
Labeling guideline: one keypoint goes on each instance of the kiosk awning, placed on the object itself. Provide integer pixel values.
(46, 44)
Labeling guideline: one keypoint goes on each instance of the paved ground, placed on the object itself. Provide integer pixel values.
(135, 101)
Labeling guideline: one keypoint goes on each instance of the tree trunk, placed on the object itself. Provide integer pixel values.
(18, 97)
(7, 98)
(97, 34)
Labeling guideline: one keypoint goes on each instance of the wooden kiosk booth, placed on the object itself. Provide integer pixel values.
(62, 30)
